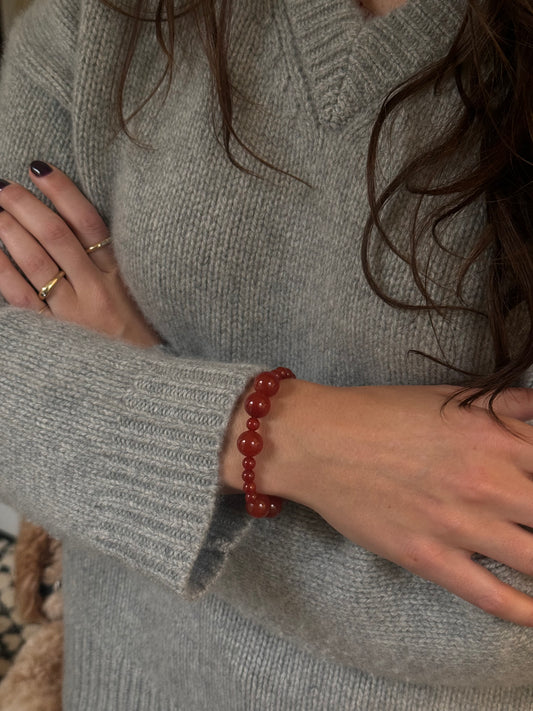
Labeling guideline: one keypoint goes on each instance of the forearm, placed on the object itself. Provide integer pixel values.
(113, 445)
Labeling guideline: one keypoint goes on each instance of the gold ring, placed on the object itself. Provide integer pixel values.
(98, 245)
(47, 289)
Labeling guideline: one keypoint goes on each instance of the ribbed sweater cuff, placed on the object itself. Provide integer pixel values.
(119, 446)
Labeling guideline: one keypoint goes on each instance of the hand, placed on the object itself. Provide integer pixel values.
(423, 489)
(41, 242)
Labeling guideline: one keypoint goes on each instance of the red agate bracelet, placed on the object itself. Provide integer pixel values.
(250, 443)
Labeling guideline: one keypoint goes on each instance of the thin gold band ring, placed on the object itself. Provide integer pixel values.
(98, 245)
(47, 289)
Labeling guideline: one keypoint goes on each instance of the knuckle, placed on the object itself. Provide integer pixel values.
(477, 486)
(15, 194)
(450, 527)
(492, 602)
(6, 224)
(89, 224)
(102, 302)
(105, 304)
(24, 300)
(36, 264)
(419, 556)
(56, 230)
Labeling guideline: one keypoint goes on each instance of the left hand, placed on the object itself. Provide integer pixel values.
(43, 242)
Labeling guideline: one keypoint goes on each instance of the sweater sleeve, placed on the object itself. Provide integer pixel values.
(114, 446)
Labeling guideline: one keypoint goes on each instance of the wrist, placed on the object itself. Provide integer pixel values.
(282, 465)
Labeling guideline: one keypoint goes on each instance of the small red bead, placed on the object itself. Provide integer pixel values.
(267, 384)
(260, 507)
(250, 497)
(249, 488)
(252, 423)
(276, 504)
(283, 373)
(248, 475)
(250, 443)
(257, 405)
(248, 463)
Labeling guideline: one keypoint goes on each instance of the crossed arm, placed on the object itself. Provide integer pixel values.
(383, 465)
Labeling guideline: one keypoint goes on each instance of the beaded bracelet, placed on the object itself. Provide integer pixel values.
(250, 443)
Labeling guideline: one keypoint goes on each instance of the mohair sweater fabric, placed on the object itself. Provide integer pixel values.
(174, 599)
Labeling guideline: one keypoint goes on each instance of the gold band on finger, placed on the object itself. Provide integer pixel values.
(47, 289)
(98, 245)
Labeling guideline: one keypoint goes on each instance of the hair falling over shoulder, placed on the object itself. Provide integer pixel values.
(490, 63)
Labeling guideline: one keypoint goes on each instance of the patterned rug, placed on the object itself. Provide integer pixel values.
(12, 632)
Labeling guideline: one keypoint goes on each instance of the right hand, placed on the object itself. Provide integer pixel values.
(424, 489)
(40, 241)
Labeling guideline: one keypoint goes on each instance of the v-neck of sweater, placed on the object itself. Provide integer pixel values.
(349, 60)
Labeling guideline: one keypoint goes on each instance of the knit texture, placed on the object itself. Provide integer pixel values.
(174, 599)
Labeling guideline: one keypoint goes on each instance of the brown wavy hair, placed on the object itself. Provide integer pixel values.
(489, 64)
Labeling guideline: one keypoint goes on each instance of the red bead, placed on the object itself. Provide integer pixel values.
(260, 507)
(252, 423)
(267, 384)
(249, 443)
(283, 373)
(257, 405)
(276, 504)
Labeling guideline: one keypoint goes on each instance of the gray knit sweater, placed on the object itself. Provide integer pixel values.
(175, 600)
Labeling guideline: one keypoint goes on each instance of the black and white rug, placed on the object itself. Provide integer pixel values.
(12, 632)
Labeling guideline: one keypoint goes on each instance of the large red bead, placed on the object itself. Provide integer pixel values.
(259, 507)
(267, 384)
(249, 443)
(276, 504)
(257, 405)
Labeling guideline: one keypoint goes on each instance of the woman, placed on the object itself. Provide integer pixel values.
(358, 595)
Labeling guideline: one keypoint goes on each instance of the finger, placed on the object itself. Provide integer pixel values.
(16, 290)
(512, 402)
(459, 574)
(75, 209)
(33, 260)
(51, 232)
(507, 543)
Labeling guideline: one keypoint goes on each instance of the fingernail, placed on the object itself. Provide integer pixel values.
(40, 169)
(3, 184)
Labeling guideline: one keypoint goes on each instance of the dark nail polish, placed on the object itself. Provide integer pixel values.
(40, 169)
(3, 184)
